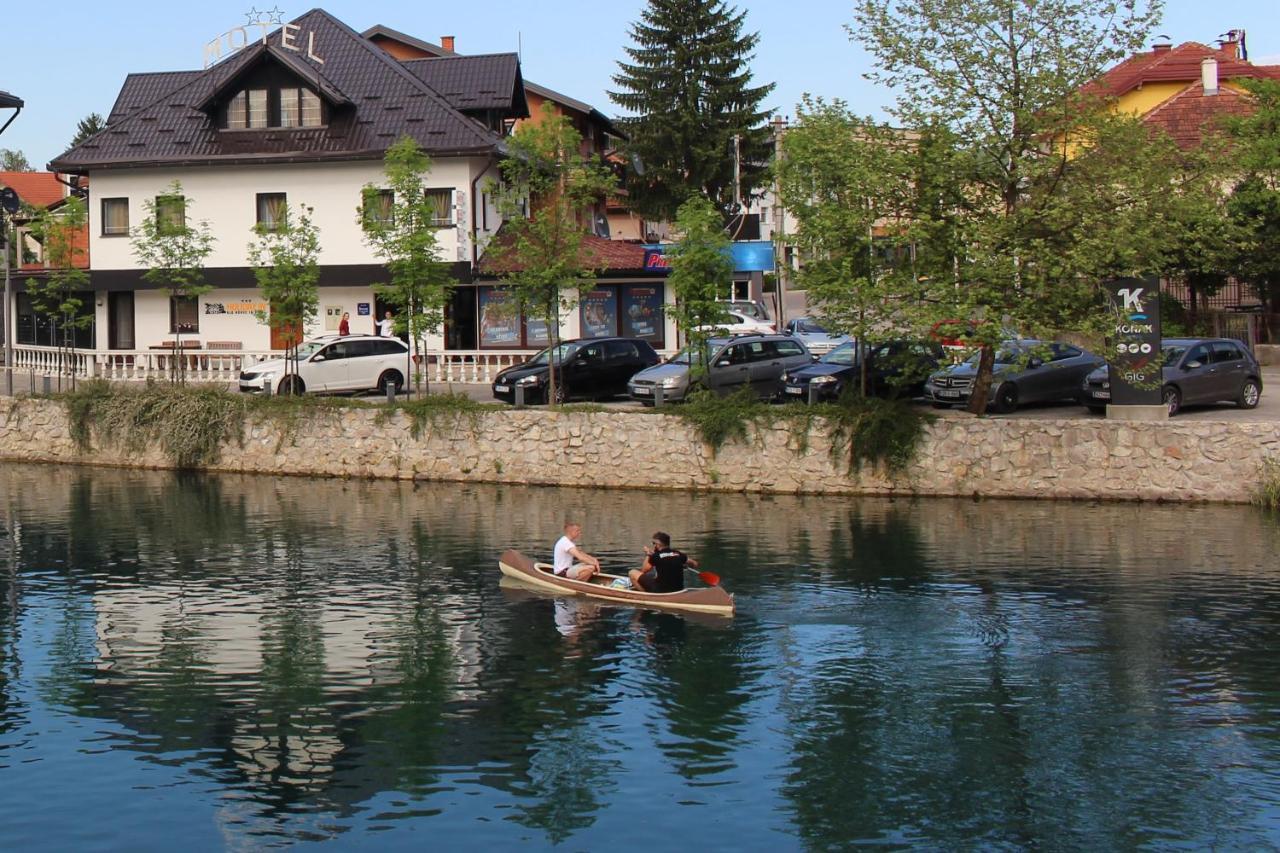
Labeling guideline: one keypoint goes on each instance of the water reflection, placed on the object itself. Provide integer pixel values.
(308, 660)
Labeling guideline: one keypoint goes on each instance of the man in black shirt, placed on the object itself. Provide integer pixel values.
(663, 569)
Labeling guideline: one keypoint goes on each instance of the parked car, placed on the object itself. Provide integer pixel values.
(597, 368)
(1026, 371)
(751, 308)
(737, 323)
(1195, 370)
(754, 361)
(894, 369)
(817, 339)
(333, 364)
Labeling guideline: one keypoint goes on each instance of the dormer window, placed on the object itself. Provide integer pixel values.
(289, 106)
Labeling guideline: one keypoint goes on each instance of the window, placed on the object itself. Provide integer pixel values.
(384, 346)
(171, 214)
(1060, 352)
(1199, 354)
(247, 110)
(272, 210)
(621, 351)
(379, 208)
(115, 217)
(1223, 352)
(788, 348)
(300, 107)
(184, 315)
(441, 204)
(360, 349)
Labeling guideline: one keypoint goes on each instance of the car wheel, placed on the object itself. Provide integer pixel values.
(1006, 398)
(562, 394)
(1249, 394)
(389, 377)
(1172, 398)
(292, 386)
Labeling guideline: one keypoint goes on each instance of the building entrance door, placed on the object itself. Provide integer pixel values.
(285, 336)
(120, 320)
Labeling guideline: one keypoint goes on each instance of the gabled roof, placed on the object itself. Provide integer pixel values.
(158, 119)
(38, 189)
(1191, 115)
(380, 32)
(260, 53)
(1175, 64)
(484, 82)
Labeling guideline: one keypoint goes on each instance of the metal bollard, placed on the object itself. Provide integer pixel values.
(813, 394)
(392, 388)
(658, 396)
(268, 386)
(46, 384)
(519, 396)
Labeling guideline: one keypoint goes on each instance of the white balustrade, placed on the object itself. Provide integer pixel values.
(473, 366)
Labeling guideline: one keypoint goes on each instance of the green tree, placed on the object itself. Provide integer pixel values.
(12, 160)
(700, 269)
(687, 85)
(285, 261)
(401, 228)
(845, 181)
(547, 190)
(172, 252)
(86, 127)
(1254, 203)
(59, 294)
(1053, 192)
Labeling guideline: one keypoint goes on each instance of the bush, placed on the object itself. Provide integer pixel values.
(1268, 494)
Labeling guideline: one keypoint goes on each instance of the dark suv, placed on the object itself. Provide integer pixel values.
(1196, 370)
(597, 368)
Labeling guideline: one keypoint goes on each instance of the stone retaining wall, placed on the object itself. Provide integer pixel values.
(990, 457)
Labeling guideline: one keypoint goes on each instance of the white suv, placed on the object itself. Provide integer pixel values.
(334, 364)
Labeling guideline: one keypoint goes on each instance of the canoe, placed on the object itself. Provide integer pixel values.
(704, 599)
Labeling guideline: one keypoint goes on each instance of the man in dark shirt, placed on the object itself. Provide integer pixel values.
(663, 569)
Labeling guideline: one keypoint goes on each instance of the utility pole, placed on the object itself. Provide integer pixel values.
(6, 239)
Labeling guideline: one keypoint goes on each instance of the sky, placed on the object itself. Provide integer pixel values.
(68, 64)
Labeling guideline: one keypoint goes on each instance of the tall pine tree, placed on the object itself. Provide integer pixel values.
(688, 89)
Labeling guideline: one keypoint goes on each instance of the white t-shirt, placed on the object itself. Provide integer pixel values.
(384, 327)
(563, 559)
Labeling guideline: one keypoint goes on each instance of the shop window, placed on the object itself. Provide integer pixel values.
(115, 217)
(184, 315)
(272, 209)
(45, 331)
(630, 312)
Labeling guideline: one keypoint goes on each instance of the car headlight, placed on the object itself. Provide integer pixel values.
(267, 376)
(671, 382)
(822, 380)
(535, 379)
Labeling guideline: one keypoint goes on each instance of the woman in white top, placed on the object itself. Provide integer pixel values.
(570, 561)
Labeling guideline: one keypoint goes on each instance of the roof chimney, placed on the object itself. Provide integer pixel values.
(1209, 75)
(447, 43)
(1161, 47)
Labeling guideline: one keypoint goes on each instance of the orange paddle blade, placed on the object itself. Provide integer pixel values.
(709, 578)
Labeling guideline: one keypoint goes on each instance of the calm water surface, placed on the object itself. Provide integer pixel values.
(240, 663)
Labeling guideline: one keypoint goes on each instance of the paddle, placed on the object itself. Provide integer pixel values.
(709, 578)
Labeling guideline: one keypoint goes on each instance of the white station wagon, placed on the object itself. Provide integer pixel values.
(334, 365)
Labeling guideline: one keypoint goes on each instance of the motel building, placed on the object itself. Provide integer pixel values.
(302, 114)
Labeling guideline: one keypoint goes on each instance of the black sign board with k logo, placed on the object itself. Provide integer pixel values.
(1134, 357)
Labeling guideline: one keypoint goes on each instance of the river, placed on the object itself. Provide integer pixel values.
(225, 662)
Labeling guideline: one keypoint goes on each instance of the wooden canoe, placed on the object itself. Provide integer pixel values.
(706, 599)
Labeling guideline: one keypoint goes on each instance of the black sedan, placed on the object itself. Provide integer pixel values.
(894, 369)
(596, 368)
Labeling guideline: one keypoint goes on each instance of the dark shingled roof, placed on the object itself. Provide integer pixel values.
(374, 100)
(9, 102)
(484, 82)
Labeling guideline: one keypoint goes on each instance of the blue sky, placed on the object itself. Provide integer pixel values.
(68, 60)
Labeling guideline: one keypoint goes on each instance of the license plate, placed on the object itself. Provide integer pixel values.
(794, 389)
(949, 394)
(502, 389)
(1102, 395)
(642, 391)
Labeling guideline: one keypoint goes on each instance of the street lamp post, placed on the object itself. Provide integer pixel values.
(9, 203)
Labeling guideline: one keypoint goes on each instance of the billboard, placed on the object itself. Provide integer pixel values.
(1134, 356)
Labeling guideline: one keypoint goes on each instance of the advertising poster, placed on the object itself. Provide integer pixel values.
(535, 333)
(499, 321)
(642, 313)
(1134, 358)
(599, 310)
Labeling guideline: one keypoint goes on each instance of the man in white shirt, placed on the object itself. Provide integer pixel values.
(570, 561)
(385, 326)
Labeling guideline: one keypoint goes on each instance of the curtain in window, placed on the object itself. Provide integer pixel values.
(236, 112)
(184, 314)
(310, 109)
(272, 209)
(288, 107)
(115, 216)
(171, 214)
(257, 108)
(441, 203)
(379, 207)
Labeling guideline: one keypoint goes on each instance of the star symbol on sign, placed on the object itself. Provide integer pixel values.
(274, 15)
(253, 15)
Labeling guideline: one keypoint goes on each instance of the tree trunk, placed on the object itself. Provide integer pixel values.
(982, 381)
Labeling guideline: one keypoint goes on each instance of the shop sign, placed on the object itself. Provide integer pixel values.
(362, 309)
(258, 27)
(1135, 359)
(242, 306)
